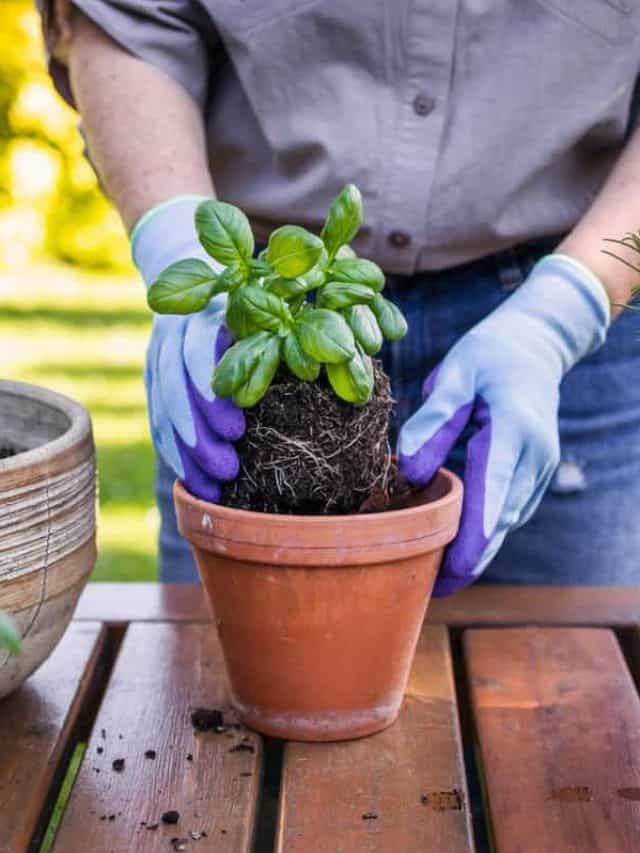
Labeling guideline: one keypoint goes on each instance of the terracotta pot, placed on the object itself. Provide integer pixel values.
(319, 616)
(47, 519)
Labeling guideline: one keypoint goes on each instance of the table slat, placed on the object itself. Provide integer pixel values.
(478, 605)
(558, 721)
(162, 672)
(36, 723)
(400, 790)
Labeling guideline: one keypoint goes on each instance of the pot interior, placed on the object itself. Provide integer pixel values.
(27, 423)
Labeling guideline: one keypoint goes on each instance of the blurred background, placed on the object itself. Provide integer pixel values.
(72, 310)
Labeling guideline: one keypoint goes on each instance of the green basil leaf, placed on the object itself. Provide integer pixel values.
(238, 319)
(357, 271)
(316, 277)
(262, 371)
(9, 635)
(286, 288)
(343, 220)
(365, 328)
(265, 310)
(392, 324)
(345, 252)
(297, 360)
(353, 381)
(183, 288)
(338, 294)
(224, 231)
(231, 278)
(297, 304)
(325, 336)
(236, 365)
(259, 268)
(292, 250)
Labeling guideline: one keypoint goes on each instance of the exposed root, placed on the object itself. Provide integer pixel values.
(307, 452)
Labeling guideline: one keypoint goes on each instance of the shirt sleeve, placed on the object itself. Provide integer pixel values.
(177, 37)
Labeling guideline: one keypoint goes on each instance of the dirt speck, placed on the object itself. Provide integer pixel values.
(170, 817)
(243, 747)
(369, 816)
(629, 793)
(151, 754)
(572, 794)
(118, 765)
(208, 719)
(444, 801)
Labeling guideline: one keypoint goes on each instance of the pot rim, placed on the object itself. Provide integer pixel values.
(78, 429)
(228, 513)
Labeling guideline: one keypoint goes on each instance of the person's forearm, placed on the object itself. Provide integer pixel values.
(614, 213)
(145, 133)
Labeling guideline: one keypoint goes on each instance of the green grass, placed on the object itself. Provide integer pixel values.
(63, 798)
(85, 334)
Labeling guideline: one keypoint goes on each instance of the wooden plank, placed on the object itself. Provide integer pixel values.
(36, 724)
(558, 721)
(401, 790)
(162, 672)
(121, 603)
(479, 605)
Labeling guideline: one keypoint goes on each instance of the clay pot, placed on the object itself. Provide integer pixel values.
(319, 616)
(47, 520)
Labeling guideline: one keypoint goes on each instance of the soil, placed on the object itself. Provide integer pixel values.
(208, 719)
(307, 452)
(171, 817)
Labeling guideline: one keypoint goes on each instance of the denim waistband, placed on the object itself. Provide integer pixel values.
(508, 266)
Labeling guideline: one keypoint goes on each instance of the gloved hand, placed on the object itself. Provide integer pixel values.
(190, 427)
(502, 379)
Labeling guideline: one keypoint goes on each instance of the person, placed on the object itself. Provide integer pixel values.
(494, 147)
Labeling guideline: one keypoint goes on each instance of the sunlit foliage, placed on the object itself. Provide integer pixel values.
(50, 202)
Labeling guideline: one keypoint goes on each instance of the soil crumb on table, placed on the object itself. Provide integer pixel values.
(307, 452)
(170, 817)
(208, 719)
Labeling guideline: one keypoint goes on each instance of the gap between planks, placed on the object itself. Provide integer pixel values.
(39, 725)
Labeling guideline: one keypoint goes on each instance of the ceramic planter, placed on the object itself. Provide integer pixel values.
(319, 616)
(47, 519)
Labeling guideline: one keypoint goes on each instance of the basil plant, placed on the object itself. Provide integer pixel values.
(9, 636)
(306, 301)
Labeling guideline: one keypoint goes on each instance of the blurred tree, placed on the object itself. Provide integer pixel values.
(50, 201)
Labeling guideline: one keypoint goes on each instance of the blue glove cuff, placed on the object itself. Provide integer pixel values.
(563, 302)
(166, 234)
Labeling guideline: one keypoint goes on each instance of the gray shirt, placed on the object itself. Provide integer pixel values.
(468, 125)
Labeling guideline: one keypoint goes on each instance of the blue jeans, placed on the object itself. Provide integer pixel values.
(586, 529)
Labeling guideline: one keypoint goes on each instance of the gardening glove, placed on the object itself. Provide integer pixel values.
(502, 380)
(192, 429)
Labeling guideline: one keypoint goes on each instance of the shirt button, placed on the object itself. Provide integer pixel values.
(398, 239)
(423, 104)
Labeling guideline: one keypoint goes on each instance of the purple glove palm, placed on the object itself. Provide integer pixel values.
(502, 380)
(191, 428)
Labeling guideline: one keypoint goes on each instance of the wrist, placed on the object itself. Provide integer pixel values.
(165, 234)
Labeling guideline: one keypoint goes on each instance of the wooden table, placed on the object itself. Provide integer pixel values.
(521, 729)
